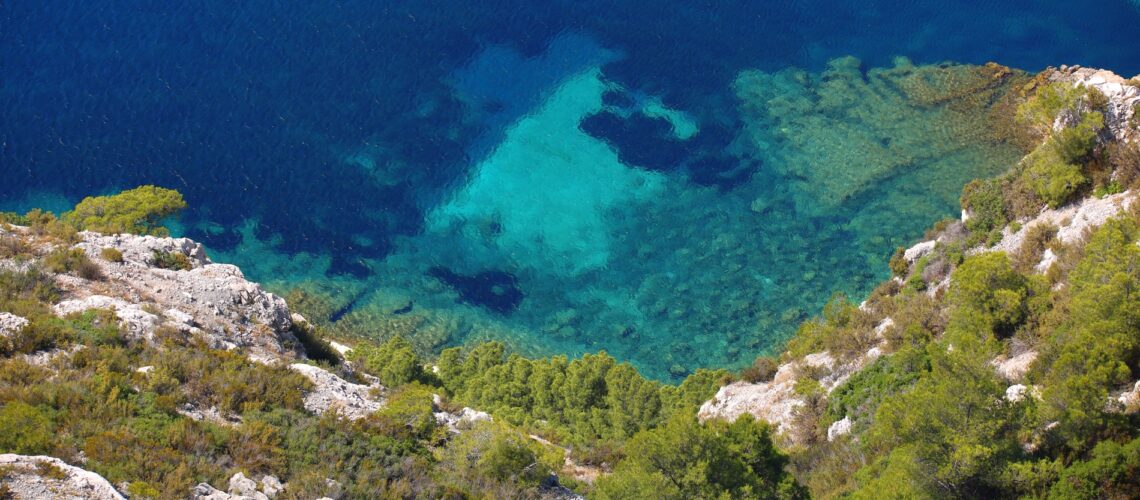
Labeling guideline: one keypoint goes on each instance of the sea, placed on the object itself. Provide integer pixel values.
(677, 183)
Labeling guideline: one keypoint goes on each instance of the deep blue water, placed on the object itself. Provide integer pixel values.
(340, 126)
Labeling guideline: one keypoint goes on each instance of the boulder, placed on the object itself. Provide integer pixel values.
(353, 401)
(35, 477)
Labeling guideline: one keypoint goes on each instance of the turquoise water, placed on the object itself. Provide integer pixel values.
(679, 185)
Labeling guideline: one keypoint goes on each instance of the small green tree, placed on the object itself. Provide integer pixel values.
(136, 211)
(394, 362)
(27, 429)
(687, 459)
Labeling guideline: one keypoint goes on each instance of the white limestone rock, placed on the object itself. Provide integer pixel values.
(1122, 97)
(1016, 392)
(353, 401)
(461, 421)
(134, 321)
(919, 250)
(24, 479)
(271, 486)
(839, 428)
(214, 301)
(10, 324)
(1130, 399)
(1071, 221)
(1014, 368)
(244, 487)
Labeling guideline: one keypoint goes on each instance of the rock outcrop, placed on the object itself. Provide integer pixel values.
(459, 421)
(10, 324)
(38, 477)
(776, 401)
(1123, 98)
(330, 392)
(240, 488)
(214, 301)
(1070, 220)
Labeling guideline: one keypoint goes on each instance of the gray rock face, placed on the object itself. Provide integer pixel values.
(460, 421)
(244, 487)
(11, 324)
(26, 479)
(211, 300)
(353, 401)
(1071, 221)
(240, 488)
(1122, 97)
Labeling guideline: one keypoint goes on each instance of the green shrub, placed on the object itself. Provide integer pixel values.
(176, 261)
(1125, 161)
(1089, 354)
(394, 362)
(1111, 472)
(14, 247)
(491, 454)
(407, 414)
(1041, 111)
(32, 284)
(72, 260)
(137, 211)
(1037, 238)
(898, 264)
(27, 429)
(1073, 144)
(314, 344)
(762, 370)
(860, 395)
(985, 201)
(687, 459)
(987, 296)
(1052, 179)
(111, 254)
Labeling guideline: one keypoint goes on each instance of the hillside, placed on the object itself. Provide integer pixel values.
(1001, 360)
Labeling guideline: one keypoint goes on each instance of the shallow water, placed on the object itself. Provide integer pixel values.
(660, 183)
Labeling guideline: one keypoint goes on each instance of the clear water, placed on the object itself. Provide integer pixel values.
(565, 176)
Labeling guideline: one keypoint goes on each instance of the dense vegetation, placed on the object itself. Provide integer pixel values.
(934, 418)
(931, 417)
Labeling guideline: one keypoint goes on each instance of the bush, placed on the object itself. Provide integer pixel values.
(898, 264)
(1052, 100)
(491, 454)
(1052, 179)
(985, 201)
(14, 247)
(1125, 161)
(394, 362)
(314, 344)
(686, 459)
(762, 370)
(72, 260)
(987, 296)
(32, 284)
(111, 254)
(1111, 472)
(1037, 238)
(136, 211)
(27, 430)
(176, 261)
(407, 414)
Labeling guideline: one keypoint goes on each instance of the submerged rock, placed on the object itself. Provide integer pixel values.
(842, 132)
